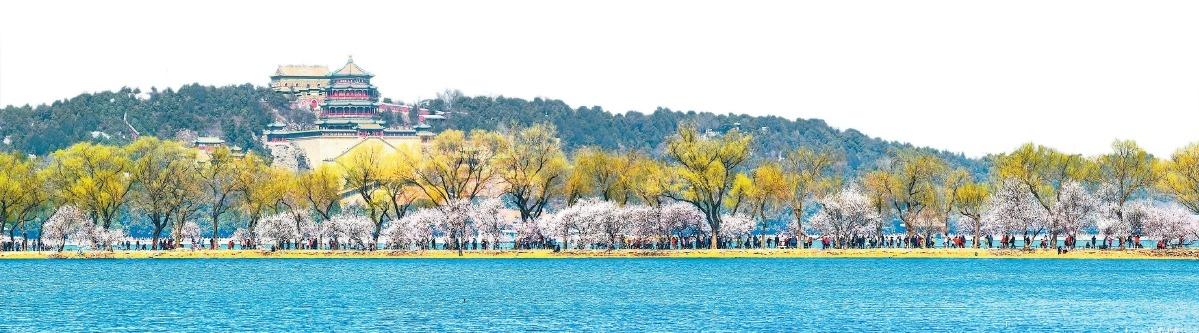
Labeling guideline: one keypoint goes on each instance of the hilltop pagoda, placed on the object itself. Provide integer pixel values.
(350, 94)
(347, 116)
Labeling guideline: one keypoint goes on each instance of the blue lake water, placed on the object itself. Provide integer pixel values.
(943, 295)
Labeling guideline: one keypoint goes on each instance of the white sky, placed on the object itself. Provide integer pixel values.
(970, 76)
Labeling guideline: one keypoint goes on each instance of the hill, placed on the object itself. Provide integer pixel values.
(240, 113)
(587, 126)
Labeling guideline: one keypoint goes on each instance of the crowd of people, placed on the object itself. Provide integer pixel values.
(1069, 242)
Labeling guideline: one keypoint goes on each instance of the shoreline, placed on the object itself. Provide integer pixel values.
(1083, 254)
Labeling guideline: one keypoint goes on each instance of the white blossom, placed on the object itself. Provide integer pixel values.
(531, 231)
(1014, 211)
(242, 235)
(71, 223)
(679, 218)
(559, 225)
(415, 229)
(604, 223)
(350, 229)
(277, 228)
(1124, 221)
(100, 238)
(490, 223)
(1171, 222)
(1075, 210)
(588, 221)
(642, 221)
(190, 230)
(846, 214)
(736, 225)
(288, 156)
(68, 222)
(456, 222)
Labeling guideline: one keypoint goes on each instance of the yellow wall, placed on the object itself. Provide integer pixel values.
(326, 149)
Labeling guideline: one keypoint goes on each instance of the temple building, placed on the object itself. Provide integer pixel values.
(348, 115)
(205, 145)
(305, 84)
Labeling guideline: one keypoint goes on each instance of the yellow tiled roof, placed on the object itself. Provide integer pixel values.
(350, 69)
(302, 70)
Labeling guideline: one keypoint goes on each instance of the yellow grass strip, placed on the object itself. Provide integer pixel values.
(535, 254)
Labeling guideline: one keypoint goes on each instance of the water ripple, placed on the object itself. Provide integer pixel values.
(599, 295)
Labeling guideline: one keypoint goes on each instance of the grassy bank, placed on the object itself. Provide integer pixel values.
(759, 253)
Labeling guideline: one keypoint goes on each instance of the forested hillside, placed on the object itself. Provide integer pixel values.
(236, 113)
(594, 126)
(239, 113)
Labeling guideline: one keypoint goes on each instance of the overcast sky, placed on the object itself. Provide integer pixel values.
(970, 76)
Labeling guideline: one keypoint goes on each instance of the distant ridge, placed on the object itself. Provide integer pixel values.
(240, 113)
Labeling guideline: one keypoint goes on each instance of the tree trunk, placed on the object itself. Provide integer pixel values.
(714, 222)
(375, 235)
(63, 245)
(157, 233)
(798, 211)
(216, 222)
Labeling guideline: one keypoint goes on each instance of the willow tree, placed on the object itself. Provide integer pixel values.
(606, 172)
(770, 192)
(294, 198)
(739, 194)
(94, 178)
(576, 186)
(913, 182)
(706, 168)
(363, 170)
(1041, 172)
(164, 177)
(811, 173)
(320, 190)
(874, 187)
(455, 166)
(22, 191)
(532, 168)
(1181, 178)
(970, 200)
(649, 181)
(218, 181)
(1126, 171)
(262, 188)
(951, 184)
(398, 181)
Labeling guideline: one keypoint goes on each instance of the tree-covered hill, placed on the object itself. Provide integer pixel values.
(240, 113)
(587, 126)
(236, 113)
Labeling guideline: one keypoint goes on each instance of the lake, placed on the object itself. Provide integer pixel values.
(599, 295)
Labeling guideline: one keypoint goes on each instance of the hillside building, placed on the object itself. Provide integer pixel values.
(347, 116)
(305, 84)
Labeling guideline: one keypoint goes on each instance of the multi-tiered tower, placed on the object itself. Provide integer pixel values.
(347, 117)
(351, 102)
(350, 94)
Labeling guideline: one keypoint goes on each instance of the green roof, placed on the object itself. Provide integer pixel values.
(208, 140)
